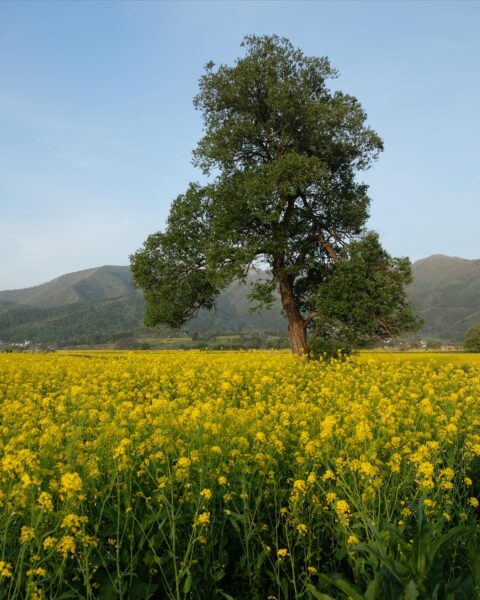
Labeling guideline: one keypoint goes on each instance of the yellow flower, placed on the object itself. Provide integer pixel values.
(343, 510)
(341, 434)
(282, 553)
(425, 470)
(45, 501)
(120, 452)
(66, 546)
(26, 534)
(342, 507)
(329, 474)
(302, 529)
(300, 486)
(70, 484)
(49, 542)
(206, 494)
(203, 519)
(183, 462)
(162, 482)
(37, 594)
(38, 572)
(363, 432)
(352, 539)
(331, 497)
(5, 569)
(447, 473)
(73, 522)
(367, 469)
(446, 485)
(26, 480)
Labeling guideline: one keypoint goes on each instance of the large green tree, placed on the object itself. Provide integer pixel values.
(472, 339)
(282, 151)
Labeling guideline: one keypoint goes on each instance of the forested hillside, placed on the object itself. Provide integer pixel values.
(100, 305)
(446, 293)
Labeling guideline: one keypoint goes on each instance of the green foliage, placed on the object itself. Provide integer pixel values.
(323, 347)
(80, 323)
(364, 298)
(185, 261)
(434, 563)
(472, 339)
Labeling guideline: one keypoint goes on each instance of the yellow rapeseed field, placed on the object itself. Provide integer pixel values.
(239, 475)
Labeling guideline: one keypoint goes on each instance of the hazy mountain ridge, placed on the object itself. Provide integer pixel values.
(446, 292)
(100, 305)
(89, 285)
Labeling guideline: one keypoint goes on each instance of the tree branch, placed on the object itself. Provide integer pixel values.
(327, 246)
(310, 317)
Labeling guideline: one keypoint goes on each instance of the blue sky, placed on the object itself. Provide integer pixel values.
(97, 123)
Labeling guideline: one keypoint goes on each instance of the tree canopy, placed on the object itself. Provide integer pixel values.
(364, 298)
(282, 151)
(472, 339)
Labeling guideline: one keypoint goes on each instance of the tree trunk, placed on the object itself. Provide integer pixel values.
(297, 336)
(297, 333)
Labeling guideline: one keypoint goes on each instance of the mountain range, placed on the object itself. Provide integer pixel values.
(100, 305)
(446, 294)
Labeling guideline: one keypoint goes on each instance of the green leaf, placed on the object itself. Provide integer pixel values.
(343, 584)
(316, 594)
(242, 561)
(261, 559)
(445, 540)
(411, 591)
(187, 583)
(373, 589)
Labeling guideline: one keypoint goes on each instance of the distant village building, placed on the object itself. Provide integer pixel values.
(448, 347)
(24, 344)
(404, 344)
